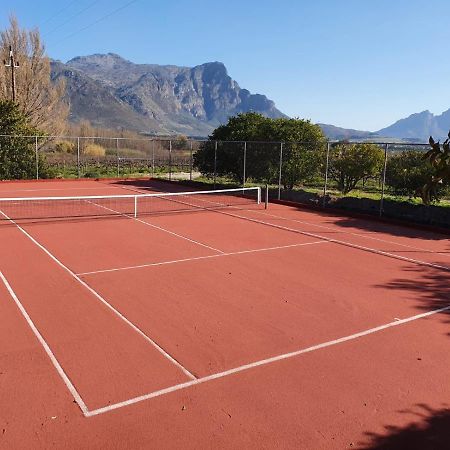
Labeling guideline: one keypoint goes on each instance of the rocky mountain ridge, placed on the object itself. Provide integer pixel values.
(112, 92)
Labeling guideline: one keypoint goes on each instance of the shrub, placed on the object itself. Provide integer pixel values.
(94, 150)
(64, 147)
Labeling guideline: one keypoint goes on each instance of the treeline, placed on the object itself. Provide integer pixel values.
(295, 152)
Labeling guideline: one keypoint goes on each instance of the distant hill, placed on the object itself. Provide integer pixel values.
(419, 127)
(110, 91)
(341, 134)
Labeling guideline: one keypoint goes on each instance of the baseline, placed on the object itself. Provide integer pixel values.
(264, 362)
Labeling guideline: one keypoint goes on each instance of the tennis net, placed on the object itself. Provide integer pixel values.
(125, 205)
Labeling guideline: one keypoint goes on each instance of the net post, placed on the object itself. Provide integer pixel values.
(78, 156)
(259, 195)
(386, 148)
(37, 157)
(279, 173)
(135, 206)
(153, 158)
(325, 186)
(266, 199)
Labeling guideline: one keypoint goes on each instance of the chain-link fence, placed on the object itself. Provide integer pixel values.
(372, 177)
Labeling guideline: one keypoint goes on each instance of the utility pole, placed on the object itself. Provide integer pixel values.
(14, 65)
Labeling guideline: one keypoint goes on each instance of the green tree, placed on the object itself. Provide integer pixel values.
(352, 163)
(303, 149)
(407, 171)
(17, 155)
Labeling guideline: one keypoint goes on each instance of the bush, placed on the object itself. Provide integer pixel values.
(94, 150)
(65, 147)
(406, 172)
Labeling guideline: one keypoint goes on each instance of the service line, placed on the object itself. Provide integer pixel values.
(197, 258)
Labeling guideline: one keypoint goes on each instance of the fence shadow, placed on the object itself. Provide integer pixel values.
(430, 431)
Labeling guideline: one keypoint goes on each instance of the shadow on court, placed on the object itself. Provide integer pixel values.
(429, 431)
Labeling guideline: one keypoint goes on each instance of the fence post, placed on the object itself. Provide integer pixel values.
(215, 163)
(244, 174)
(118, 158)
(170, 160)
(191, 162)
(37, 156)
(325, 186)
(153, 158)
(386, 148)
(78, 156)
(280, 170)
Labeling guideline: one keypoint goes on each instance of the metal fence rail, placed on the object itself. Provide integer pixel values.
(282, 165)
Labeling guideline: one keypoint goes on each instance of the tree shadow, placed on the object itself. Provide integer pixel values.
(430, 431)
(430, 286)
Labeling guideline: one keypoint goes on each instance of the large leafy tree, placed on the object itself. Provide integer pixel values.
(39, 98)
(302, 153)
(352, 163)
(17, 152)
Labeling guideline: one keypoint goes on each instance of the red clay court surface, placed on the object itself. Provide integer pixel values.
(242, 328)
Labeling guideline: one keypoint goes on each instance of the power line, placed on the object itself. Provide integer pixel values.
(99, 20)
(59, 12)
(72, 17)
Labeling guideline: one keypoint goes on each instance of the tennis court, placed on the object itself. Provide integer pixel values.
(134, 318)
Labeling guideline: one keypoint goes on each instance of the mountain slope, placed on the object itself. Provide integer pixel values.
(113, 92)
(419, 127)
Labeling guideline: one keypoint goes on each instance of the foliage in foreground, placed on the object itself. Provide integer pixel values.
(440, 162)
(303, 151)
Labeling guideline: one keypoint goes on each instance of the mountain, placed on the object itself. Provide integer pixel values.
(110, 91)
(340, 134)
(419, 127)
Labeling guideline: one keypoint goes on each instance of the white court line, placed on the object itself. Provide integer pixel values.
(355, 234)
(336, 241)
(344, 243)
(54, 189)
(263, 362)
(99, 297)
(197, 258)
(50, 354)
(158, 228)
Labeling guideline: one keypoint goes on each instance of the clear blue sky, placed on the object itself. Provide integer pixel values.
(353, 63)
